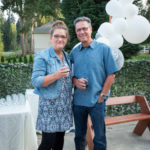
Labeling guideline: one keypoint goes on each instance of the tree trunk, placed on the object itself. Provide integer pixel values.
(22, 36)
(22, 44)
(32, 37)
(26, 43)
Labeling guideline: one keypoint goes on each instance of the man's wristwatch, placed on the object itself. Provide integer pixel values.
(103, 96)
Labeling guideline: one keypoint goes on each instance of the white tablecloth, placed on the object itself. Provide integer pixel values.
(17, 130)
(33, 100)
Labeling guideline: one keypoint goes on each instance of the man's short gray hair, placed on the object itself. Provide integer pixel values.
(82, 19)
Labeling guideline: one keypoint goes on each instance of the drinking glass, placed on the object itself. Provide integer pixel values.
(21, 99)
(8, 100)
(2, 102)
(64, 64)
(85, 76)
(14, 99)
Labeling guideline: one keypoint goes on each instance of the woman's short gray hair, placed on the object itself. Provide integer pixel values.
(82, 19)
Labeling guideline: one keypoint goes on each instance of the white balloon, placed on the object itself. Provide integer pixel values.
(114, 8)
(130, 10)
(137, 30)
(77, 45)
(113, 19)
(106, 30)
(103, 40)
(125, 2)
(118, 57)
(98, 35)
(120, 25)
(116, 41)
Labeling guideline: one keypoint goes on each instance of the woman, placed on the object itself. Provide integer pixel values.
(51, 78)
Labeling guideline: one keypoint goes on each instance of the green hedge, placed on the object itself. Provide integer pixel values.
(132, 79)
(15, 78)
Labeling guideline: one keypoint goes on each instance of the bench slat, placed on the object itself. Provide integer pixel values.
(126, 118)
(121, 100)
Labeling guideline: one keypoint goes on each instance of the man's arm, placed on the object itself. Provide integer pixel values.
(107, 85)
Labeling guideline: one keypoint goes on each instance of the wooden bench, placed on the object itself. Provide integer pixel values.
(143, 117)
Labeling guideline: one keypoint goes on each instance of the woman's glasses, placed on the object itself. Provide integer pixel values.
(56, 36)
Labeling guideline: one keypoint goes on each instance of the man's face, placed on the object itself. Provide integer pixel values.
(83, 32)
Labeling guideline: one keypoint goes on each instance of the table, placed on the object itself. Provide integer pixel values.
(17, 130)
(33, 100)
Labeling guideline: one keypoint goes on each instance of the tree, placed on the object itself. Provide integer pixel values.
(90, 8)
(26, 10)
(1, 41)
(13, 37)
(16, 6)
(18, 28)
(142, 10)
(147, 15)
(9, 33)
(94, 9)
(1, 44)
(6, 30)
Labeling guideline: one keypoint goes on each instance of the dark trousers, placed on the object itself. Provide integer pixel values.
(52, 141)
(97, 114)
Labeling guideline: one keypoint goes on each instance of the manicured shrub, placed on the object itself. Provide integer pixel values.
(25, 60)
(30, 59)
(2, 59)
(20, 59)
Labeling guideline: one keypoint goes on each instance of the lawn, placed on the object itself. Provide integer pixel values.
(141, 56)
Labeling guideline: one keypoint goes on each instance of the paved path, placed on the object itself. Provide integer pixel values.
(119, 137)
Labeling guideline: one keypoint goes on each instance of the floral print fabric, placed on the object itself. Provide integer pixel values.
(55, 115)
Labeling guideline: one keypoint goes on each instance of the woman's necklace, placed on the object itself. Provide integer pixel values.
(61, 55)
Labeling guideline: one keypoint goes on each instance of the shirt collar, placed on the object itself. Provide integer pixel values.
(92, 45)
(53, 53)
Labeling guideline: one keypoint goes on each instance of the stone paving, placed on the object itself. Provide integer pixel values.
(119, 137)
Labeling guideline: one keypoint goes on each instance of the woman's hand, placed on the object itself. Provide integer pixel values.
(62, 72)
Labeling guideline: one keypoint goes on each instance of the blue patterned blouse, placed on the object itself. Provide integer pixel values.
(55, 115)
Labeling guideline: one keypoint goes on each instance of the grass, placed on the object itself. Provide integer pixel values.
(141, 56)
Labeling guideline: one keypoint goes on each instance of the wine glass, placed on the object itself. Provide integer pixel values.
(8, 100)
(21, 99)
(14, 99)
(85, 76)
(2, 102)
(65, 64)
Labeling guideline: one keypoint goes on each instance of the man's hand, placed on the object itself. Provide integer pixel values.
(100, 99)
(80, 83)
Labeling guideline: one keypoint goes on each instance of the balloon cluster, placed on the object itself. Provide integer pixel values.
(125, 23)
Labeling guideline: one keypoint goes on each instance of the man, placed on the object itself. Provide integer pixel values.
(94, 73)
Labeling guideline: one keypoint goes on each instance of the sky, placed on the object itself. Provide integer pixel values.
(5, 14)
